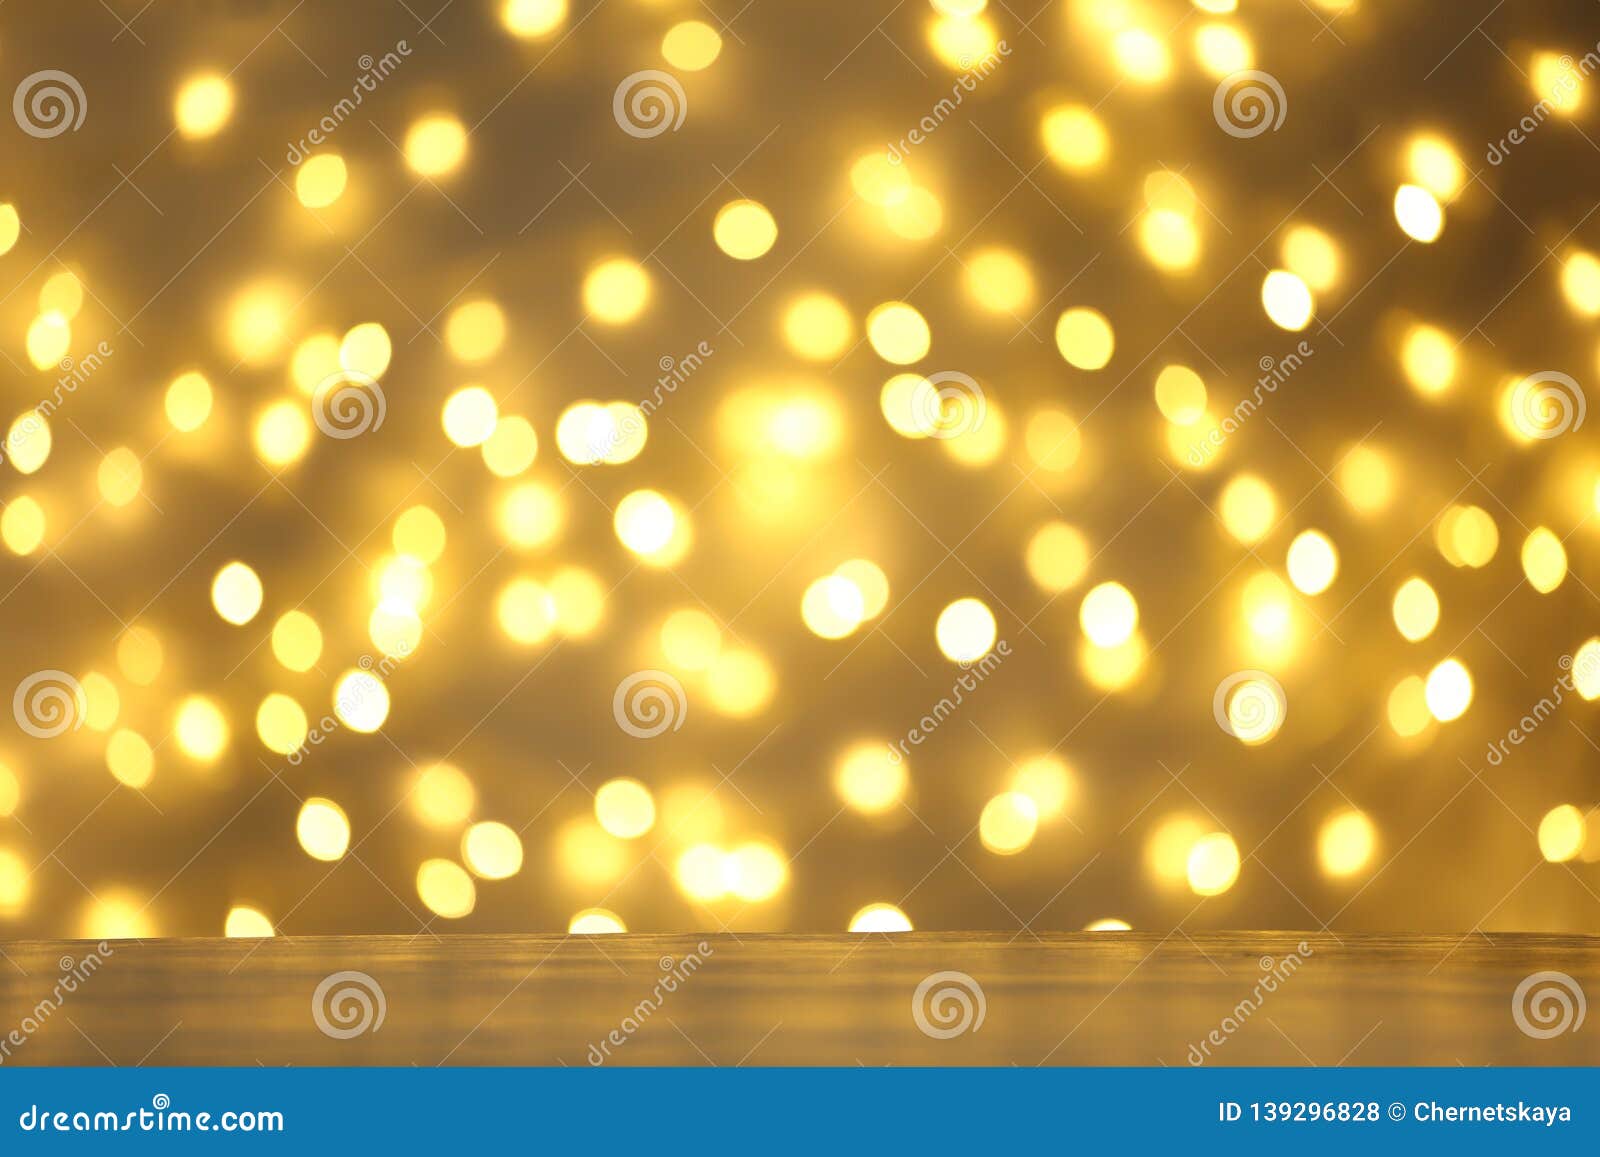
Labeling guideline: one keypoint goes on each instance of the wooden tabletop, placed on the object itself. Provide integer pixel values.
(1088, 998)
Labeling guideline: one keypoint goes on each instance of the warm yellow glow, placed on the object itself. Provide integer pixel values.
(203, 105)
(322, 829)
(744, 229)
(1213, 864)
(119, 476)
(1557, 82)
(296, 641)
(28, 442)
(1053, 440)
(365, 350)
(1084, 338)
(998, 281)
(1544, 560)
(869, 579)
(1419, 215)
(1108, 614)
(469, 416)
(878, 180)
(529, 515)
(281, 723)
(320, 180)
(918, 216)
(116, 914)
(898, 333)
(1416, 609)
(625, 808)
(1311, 255)
(492, 851)
(817, 327)
(1047, 781)
(512, 448)
(22, 525)
(1255, 710)
(1141, 55)
(49, 338)
(246, 923)
(15, 879)
(257, 322)
(871, 777)
(1428, 358)
(1434, 164)
(690, 639)
(129, 757)
(445, 889)
(691, 45)
(1346, 843)
(1008, 823)
(1169, 240)
(616, 291)
(282, 433)
(1108, 924)
(652, 527)
(1180, 395)
(1313, 562)
(188, 402)
(832, 607)
(740, 682)
(755, 871)
(880, 917)
(1467, 536)
(1365, 479)
(1075, 138)
(436, 145)
(442, 796)
(200, 729)
(139, 655)
(101, 701)
(236, 593)
(1287, 300)
(1586, 670)
(1248, 508)
(1449, 690)
(10, 226)
(596, 922)
(475, 331)
(960, 42)
(62, 293)
(361, 701)
(314, 361)
(965, 631)
(532, 19)
(1562, 833)
(1057, 557)
(1222, 49)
